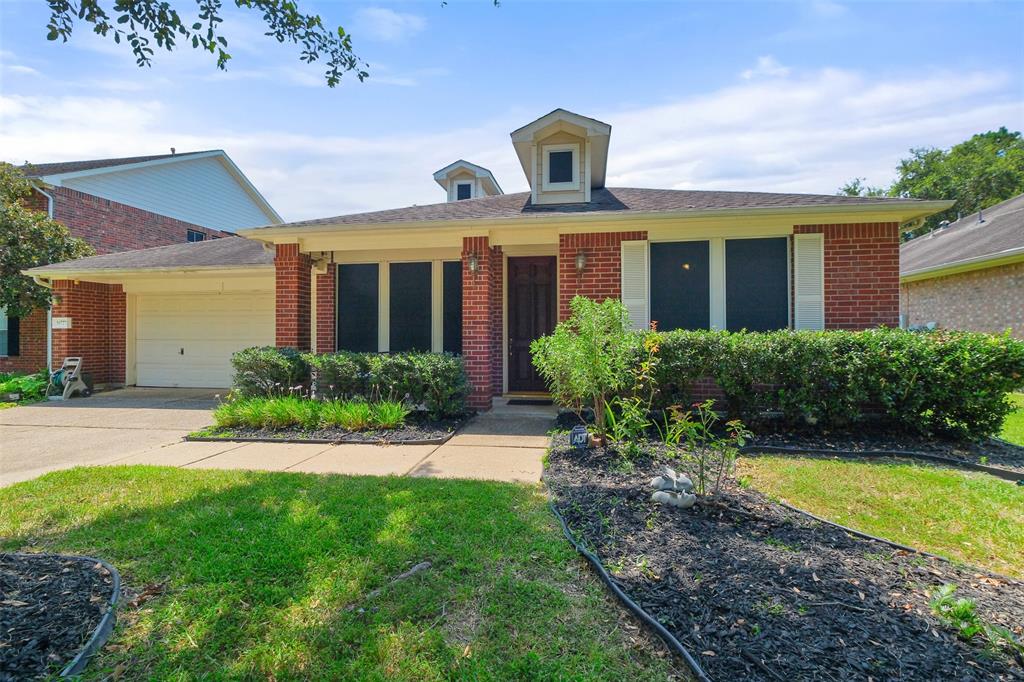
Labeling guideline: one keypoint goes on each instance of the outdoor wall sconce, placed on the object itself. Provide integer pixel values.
(474, 263)
(581, 261)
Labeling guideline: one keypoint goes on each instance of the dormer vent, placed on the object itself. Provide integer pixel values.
(464, 180)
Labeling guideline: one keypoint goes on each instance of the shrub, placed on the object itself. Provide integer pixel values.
(339, 375)
(442, 386)
(589, 356)
(388, 414)
(267, 371)
(31, 387)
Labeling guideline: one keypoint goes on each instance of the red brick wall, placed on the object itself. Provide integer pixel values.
(97, 333)
(602, 277)
(32, 342)
(293, 271)
(325, 323)
(110, 226)
(862, 274)
(497, 284)
(479, 331)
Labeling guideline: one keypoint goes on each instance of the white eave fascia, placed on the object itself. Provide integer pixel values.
(57, 179)
(965, 264)
(528, 220)
(128, 272)
(591, 125)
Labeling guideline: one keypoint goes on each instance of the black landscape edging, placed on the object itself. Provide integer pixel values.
(647, 619)
(106, 625)
(998, 472)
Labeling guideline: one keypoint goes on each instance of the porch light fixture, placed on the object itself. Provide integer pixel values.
(474, 263)
(581, 260)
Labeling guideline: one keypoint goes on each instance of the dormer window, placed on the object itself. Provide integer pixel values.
(463, 190)
(561, 167)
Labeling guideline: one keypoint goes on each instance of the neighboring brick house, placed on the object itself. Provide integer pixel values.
(485, 273)
(125, 204)
(969, 274)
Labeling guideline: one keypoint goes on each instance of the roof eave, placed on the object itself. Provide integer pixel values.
(902, 211)
(85, 273)
(989, 260)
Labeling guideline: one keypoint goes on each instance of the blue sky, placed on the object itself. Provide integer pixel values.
(724, 95)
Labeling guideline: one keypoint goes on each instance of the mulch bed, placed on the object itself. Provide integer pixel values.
(758, 592)
(990, 451)
(419, 427)
(49, 607)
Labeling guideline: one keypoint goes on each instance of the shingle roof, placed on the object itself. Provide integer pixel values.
(609, 201)
(967, 239)
(37, 170)
(213, 253)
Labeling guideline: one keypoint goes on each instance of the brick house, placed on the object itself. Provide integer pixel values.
(123, 204)
(968, 274)
(484, 273)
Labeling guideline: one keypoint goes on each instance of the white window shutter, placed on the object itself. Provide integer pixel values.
(809, 281)
(634, 283)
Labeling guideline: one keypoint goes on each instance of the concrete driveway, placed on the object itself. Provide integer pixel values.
(146, 426)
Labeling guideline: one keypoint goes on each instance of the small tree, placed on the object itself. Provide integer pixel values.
(589, 357)
(28, 238)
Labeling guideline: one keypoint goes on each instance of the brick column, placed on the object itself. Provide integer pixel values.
(292, 296)
(478, 320)
(862, 274)
(97, 332)
(602, 277)
(325, 310)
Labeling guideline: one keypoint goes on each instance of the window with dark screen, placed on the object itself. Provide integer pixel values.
(452, 306)
(756, 284)
(681, 285)
(560, 166)
(463, 190)
(195, 236)
(358, 316)
(410, 316)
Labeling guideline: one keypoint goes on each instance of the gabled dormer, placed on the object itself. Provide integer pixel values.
(465, 180)
(564, 156)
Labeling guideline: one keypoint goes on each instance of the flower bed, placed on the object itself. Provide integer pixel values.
(759, 592)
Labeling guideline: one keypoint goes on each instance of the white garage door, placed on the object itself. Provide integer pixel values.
(187, 339)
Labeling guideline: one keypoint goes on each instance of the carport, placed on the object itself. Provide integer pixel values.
(169, 316)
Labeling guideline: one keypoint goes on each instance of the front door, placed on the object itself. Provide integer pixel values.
(532, 313)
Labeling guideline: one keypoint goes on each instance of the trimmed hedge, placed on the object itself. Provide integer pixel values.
(435, 380)
(942, 382)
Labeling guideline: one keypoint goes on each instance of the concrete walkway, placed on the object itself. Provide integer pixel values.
(145, 426)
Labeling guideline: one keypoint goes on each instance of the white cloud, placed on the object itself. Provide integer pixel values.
(387, 25)
(806, 132)
(22, 69)
(828, 9)
(768, 67)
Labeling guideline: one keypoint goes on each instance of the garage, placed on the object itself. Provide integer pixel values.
(186, 339)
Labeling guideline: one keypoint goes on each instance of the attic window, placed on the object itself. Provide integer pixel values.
(561, 167)
(195, 236)
(463, 190)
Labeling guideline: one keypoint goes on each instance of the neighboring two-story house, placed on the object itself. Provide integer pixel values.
(485, 273)
(132, 203)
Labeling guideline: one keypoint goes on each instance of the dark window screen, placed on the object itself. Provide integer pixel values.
(756, 284)
(195, 236)
(463, 191)
(452, 289)
(681, 285)
(358, 288)
(410, 307)
(560, 166)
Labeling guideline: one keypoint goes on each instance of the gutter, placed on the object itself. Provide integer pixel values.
(965, 265)
(49, 308)
(42, 272)
(916, 209)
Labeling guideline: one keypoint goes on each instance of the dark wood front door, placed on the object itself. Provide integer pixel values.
(532, 313)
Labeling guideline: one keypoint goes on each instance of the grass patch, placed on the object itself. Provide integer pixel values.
(1013, 426)
(969, 517)
(257, 570)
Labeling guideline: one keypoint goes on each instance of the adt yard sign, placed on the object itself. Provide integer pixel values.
(578, 437)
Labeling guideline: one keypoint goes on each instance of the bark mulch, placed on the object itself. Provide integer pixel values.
(419, 427)
(49, 607)
(991, 451)
(758, 592)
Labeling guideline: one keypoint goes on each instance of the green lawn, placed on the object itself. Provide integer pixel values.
(969, 517)
(1013, 427)
(258, 569)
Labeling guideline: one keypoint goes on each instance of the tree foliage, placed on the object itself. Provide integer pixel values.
(977, 173)
(144, 23)
(28, 238)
